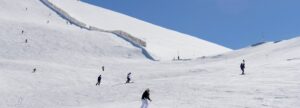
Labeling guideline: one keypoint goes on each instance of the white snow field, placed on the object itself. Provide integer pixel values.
(68, 61)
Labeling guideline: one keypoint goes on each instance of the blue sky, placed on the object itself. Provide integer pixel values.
(231, 23)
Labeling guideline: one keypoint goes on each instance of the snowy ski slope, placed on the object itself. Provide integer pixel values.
(44, 29)
(68, 61)
(164, 44)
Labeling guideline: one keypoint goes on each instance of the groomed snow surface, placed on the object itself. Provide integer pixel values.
(69, 59)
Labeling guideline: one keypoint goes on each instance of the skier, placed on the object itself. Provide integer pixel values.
(128, 77)
(26, 40)
(103, 68)
(242, 66)
(34, 70)
(145, 98)
(99, 80)
(22, 31)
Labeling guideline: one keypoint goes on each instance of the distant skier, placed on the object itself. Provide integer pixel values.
(145, 98)
(26, 40)
(128, 77)
(34, 70)
(99, 80)
(22, 32)
(103, 68)
(242, 66)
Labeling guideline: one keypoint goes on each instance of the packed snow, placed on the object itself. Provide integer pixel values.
(68, 61)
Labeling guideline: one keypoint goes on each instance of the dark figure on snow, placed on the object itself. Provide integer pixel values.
(26, 40)
(242, 66)
(103, 68)
(34, 70)
(99, 80)
(145, 98)
(22, 31)
(128, 77)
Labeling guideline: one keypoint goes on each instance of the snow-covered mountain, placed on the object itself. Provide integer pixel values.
(162, 43)
(68, 59)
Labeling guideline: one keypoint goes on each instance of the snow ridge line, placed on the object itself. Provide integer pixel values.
(64, 14)
(124, 35)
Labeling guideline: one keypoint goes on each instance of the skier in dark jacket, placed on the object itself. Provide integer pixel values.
(99, 80)
(128, 77)
(34, 70)
(103, 68)
(145, 98)
(242, 66)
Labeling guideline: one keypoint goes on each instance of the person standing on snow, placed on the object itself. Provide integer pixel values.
(145, 98)
(103, 68)
(34, 70)
(242, 66)
(128, 77)
(99, 80)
